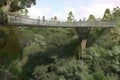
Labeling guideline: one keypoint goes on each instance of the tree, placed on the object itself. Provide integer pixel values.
(70, 16)
(51, 18)
(55, 18)
(43, 18)
(24, 12)
(15, 5)
(107, 15)
(10, 46)
(91, 18)
(1, 16)
(63, 69)
(116, 13)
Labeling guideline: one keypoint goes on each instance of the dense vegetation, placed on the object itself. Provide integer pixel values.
(54, 53)
(15, 5)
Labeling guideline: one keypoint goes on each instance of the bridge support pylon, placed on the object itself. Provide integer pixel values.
(83, 34)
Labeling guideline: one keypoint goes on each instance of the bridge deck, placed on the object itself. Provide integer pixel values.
(28, 22)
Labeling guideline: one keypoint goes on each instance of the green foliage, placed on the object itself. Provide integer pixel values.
(59, 38)
(71, 49)
(3, 2)
(14, 5)
(107, 15)
(35, 55)
(98, 75)
(40, 73)
(116, 13)
(9, 45)
(110, 37)
(8, 73)
(91, 18)
(115, 56)
(1, 16)
(24, 12)
(43, 18)
(17, 4)
(55, 18)
(72, 69)
(64, 69)
(70, 16)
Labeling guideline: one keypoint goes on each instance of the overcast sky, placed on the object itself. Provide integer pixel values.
(80, 8)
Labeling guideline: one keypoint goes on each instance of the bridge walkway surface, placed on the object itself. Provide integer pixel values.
(29, 22)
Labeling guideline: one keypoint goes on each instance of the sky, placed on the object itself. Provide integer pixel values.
(80, 8)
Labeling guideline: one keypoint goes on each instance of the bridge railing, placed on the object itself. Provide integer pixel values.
(28, 21)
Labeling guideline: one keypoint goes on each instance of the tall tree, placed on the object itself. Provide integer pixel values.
(70, 16)
(52, 19)
(55, 18)
(43, 18)
(1, 17)
(91, 18)
(9, 45)
(107, 15)
(116, 13)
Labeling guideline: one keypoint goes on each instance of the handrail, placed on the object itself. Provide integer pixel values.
(29, 21)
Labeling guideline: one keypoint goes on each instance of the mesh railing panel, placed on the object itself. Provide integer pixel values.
(28, 21)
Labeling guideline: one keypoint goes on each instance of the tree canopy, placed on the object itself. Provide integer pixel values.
(70, 16)
(107, 15)
(91, 18)
(15, 5)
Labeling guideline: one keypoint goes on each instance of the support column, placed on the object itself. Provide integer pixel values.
(83, 36)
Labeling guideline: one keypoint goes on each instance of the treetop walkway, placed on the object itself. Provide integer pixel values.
(29, 22)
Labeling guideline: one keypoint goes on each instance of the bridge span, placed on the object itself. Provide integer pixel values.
(17, 21)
